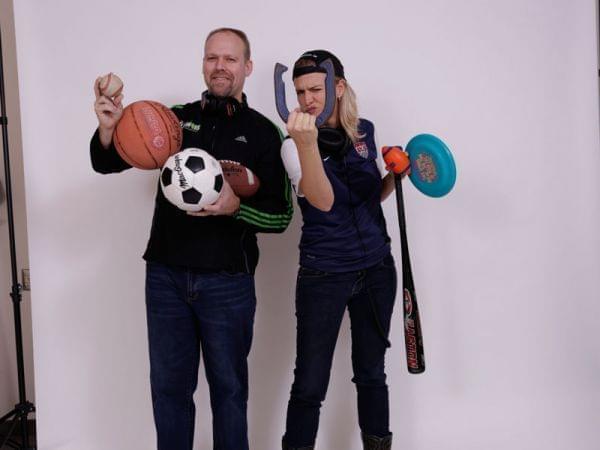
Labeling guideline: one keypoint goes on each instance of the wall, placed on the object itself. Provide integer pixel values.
(506, 266)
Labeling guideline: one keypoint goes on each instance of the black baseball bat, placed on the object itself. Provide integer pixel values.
(413, 335)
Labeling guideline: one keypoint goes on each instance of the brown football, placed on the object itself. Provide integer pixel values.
(241, 179)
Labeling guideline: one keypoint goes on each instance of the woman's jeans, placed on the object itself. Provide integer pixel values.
(189, 314)
(321, 300)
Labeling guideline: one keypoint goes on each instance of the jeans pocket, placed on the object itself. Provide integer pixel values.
(305, 272)
(388, 262)
(236, 275)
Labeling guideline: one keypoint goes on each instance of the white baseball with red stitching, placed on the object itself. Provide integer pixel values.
(110, 85)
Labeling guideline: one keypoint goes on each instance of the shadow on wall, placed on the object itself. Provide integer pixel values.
(274, 349)
(274, 345)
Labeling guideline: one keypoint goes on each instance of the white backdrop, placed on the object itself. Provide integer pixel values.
(506, 266)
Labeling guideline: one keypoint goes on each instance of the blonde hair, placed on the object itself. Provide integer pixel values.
(348, 113)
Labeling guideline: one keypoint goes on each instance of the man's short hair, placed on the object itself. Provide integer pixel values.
(238, 33)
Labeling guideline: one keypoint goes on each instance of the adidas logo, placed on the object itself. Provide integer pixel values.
(241, 139)
(195, 127)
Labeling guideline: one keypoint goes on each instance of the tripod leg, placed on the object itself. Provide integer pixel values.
(7, 416)
(20, 417)
(24, 432)
(9, 433)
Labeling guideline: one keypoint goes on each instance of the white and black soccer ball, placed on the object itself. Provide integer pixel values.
(191, 179)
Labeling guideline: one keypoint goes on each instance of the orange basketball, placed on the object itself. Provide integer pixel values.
(147, 134)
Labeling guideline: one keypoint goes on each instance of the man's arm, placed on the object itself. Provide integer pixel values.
(103, 153)
(105, 160)
(270, 209)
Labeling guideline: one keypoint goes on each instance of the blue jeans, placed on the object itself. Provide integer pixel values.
(188, 314)
(321, 300)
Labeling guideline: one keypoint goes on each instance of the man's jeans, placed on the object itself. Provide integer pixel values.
(188, 314)
(321, 299)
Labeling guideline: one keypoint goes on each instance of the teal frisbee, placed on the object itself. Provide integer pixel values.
(432, 167)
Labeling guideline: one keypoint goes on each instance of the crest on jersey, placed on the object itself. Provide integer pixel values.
(362, 149)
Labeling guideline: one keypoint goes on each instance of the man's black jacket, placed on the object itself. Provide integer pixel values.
(217, 243)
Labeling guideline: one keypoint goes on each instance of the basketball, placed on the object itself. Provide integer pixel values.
(147, 134)
(241, 179)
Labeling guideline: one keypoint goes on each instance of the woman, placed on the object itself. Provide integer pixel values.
(345, 259)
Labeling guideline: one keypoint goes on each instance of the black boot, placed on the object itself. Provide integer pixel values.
(376, 443)
(284, 446)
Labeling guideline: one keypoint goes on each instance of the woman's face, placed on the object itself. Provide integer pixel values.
(310, 91)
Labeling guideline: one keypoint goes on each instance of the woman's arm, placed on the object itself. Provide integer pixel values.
(388, 186)
(314, 184)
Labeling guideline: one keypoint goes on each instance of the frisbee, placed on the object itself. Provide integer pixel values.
(432, 167)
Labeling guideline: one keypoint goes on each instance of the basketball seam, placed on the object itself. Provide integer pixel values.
(160, 114)
(178, 129)
(137, 127)
(127, 157)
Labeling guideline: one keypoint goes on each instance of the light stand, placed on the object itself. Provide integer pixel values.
(18, 416)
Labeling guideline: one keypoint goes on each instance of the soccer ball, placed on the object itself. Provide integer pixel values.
(191, 179)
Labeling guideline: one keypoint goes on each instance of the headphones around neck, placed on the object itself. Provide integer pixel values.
(333, 142)
(226, 106)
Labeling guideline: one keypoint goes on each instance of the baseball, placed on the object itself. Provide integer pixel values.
(110, 85)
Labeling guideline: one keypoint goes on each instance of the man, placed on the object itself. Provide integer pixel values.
(199, 278)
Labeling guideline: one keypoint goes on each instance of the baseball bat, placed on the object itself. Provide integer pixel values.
(413, 335)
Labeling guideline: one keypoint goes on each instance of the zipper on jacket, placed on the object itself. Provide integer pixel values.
(244, 250)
